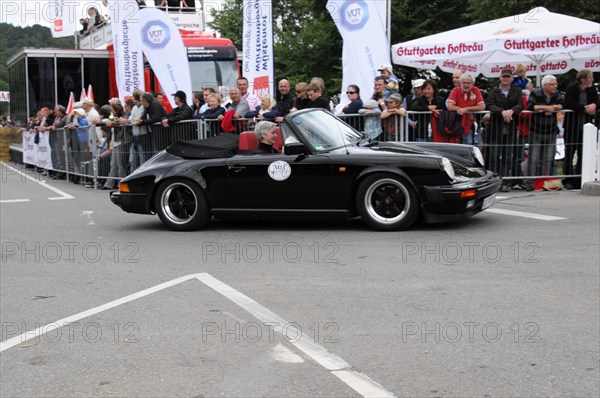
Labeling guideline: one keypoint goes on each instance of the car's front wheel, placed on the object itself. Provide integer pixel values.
(181, 205)
(387, 202)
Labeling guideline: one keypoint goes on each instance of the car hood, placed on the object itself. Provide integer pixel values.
(459, 154)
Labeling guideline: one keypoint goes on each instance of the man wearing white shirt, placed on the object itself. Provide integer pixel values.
(91, 114)
(251, 98)
(93, 118)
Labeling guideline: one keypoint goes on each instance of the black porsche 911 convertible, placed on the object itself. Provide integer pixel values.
(325, 170)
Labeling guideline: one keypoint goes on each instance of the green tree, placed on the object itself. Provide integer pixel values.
(308, 44)
(13, 38)
(306, 40)
(229, 21)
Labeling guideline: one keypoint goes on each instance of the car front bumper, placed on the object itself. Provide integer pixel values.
(446, 203)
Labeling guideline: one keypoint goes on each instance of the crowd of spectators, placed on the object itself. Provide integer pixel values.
(511, 117)
(93, 21)
(501, 131)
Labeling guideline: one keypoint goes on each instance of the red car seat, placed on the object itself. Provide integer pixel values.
(248, 141)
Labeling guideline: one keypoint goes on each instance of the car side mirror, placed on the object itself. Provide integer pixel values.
(294, 148)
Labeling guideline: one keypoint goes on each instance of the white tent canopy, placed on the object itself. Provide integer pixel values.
(546, 42)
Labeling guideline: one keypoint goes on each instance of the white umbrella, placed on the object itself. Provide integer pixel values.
(545, 42)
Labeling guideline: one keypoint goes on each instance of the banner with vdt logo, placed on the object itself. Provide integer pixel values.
(362, 26)
(161, 41)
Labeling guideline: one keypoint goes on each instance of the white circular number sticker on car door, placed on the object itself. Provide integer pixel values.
(279, 170)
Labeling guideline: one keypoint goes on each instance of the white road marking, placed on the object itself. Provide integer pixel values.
(501, 197)
(368, 388)
(14, 200)
(284, 354)
(316, 351)
(534, 216)
(359, 382)
(74, 318)
(63, 195)
(88, 214)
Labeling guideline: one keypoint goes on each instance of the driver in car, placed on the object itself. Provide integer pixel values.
(267, 135)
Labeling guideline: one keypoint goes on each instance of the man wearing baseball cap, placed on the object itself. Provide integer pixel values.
(391, 81)
(79, 142)
(91, 114)
(93, 118)
(181, 112)
(417, 85)
(504, 102)
(390, 117)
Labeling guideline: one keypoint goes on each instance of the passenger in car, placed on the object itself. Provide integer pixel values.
(267, 135)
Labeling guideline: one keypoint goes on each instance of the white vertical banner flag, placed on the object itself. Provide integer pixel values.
(129, 59)
(362, 26)
(161, 41)
(62, 25)
(258, 46)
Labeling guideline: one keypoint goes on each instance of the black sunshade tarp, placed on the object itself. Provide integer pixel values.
(220, 146)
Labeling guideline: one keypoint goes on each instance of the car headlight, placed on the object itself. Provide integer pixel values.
(448, 168)
(478, 156)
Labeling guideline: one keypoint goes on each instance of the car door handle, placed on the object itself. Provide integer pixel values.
(236, 168)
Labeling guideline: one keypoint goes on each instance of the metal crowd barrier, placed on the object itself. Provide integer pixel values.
(536, 145)
(529, 147)
(415, 126)
(102, 155)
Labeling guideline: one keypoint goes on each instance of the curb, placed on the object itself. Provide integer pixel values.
(591, 188)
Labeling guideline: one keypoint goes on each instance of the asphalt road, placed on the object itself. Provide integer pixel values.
(499, 305)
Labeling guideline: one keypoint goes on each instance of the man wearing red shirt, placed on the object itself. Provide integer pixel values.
(465, 99)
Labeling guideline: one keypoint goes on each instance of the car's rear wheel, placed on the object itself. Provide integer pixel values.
(181, 205)
(387, 202)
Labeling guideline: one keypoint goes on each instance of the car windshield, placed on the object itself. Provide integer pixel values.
(323, 131)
